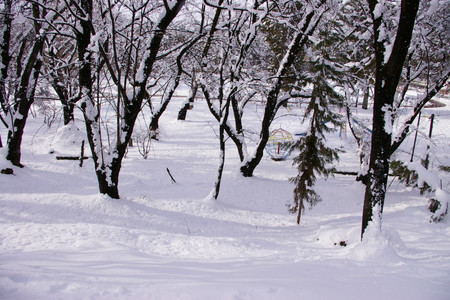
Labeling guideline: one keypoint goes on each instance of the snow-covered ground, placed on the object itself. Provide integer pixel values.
(61, 239)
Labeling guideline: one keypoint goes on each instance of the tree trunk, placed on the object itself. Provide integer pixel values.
(61, 86)
(27, 81)
(221, 162)
(108, 179)
(365, 103)
(68, 109)
(298, 41)
(5, 29)
(107, 173)
(14, 139)
(378, 164)
(237, 115)
(250, 165)
(14, 142)
(228, 129)
(153, 128)
(108, 164)
(387, 75)
(154, 123)
(67, 104)
(224, 113)
(24, 99)
(188, 104)
(5, 58)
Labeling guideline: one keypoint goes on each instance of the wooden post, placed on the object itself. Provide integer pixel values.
(82, 154)
(427, 158)
(415, 138)
(414, 146)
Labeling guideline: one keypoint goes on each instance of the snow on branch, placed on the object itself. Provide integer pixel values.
(420, 103)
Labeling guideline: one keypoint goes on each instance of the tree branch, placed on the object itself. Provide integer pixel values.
(417, 109)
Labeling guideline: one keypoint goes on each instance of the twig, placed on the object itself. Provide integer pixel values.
(187, 226)
(171, 177)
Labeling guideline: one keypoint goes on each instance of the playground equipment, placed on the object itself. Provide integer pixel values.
(361, 125)
(279, 144)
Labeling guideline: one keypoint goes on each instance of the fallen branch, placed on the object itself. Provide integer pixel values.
(351, 173)
(171, 177)
(346, 173)
(7, 171)
(70, 157)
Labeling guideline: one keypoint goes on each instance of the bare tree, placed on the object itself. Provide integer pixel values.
(311, 16)
(131, 84)
(6, 18)
(238, 69)
(392, 36)
(172, 84)
(18, 81)
(60, 70)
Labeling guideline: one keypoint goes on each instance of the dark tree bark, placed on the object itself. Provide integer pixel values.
(222, 145)
(5, 58)
(59, 81)
(387, 76)
(68, 112)
(224, 124)
(438, 85)
(5, 30)
(67, 104)
(90, 111)
(272, 103)
(108, 165)
(194, 87)
(25, 90)
(154, 122)
(189, 103)
(236, 137)
(365, 104)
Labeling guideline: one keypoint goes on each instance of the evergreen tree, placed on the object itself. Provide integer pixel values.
(314, 156)
(323, 70)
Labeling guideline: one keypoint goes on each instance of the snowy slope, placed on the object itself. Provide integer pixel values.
(60, 239)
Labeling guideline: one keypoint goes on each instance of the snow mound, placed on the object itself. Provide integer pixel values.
(332, 236)
(4, 164)
(377, 245)
(67, 140)
(442, 211)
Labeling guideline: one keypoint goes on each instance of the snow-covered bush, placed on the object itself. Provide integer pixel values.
(416, 175)
(143, 141)
(438, 208)
(408, 176)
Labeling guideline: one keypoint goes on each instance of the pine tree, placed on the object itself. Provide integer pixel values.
(323, 70)
(314, 156)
